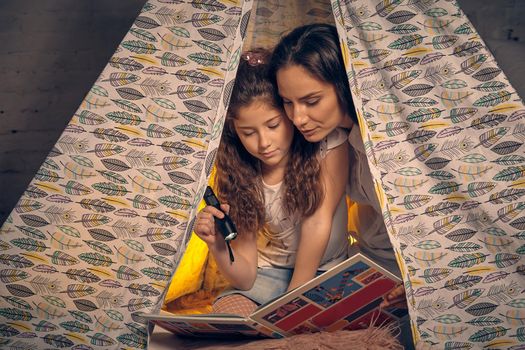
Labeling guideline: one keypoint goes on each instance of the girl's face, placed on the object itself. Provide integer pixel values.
(311, 104)
(265, 132)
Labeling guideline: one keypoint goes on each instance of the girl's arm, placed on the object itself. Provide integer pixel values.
(242, 272)
(315, 229)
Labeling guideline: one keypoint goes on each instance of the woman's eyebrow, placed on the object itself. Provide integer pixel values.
(307, 96)
(310, 95)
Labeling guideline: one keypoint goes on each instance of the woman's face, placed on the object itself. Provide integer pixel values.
(311, 104)
(265, 132)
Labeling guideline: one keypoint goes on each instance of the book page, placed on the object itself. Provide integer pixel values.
(344, 297)
(216, 325)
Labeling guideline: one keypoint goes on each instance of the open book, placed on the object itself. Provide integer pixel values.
(345, 297)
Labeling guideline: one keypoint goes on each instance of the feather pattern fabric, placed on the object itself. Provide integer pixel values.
(100, 230)
(467, 146)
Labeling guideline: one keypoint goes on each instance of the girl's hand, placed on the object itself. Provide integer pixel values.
(395, 298)
(205, 223)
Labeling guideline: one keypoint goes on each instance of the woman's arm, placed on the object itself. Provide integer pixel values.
(395, 298)
(315, 229)
(242, 272)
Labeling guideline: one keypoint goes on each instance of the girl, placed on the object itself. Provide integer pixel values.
(308, 69)
(285, 195)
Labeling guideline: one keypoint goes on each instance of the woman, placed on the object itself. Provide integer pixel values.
(308, 70)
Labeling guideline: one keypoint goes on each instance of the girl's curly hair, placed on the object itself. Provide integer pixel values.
(238, 177)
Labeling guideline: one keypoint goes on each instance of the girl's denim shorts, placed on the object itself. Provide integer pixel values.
(271, 282)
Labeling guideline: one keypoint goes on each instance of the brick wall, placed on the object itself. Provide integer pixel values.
(53, 50)
(51, 53)
(501, 19)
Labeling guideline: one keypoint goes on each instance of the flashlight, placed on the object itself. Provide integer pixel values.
(225, 225)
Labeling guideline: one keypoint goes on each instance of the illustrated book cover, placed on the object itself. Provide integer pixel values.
(346, 297)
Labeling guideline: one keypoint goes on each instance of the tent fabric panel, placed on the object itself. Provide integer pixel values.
(96, 237)
(272, 19)
(443, 130)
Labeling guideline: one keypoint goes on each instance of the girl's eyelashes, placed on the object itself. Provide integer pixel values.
(274, 125)
(271, 126)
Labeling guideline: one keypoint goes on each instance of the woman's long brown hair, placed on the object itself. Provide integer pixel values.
(315, 47)
(238, 177)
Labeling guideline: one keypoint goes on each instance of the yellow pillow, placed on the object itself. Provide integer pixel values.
(197, 279)
(188, 277)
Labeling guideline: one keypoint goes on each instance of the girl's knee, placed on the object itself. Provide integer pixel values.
(235, 304)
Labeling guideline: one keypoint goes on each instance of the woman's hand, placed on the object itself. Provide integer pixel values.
(395, 298)
(205, 224)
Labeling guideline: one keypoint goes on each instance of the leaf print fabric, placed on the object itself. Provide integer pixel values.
(97, 235)
(444, 143)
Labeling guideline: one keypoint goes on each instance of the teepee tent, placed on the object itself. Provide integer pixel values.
(97, 235)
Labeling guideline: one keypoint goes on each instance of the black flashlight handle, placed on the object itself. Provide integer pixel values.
(225, 225)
